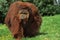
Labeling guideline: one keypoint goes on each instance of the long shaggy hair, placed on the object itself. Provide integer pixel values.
(23, 19)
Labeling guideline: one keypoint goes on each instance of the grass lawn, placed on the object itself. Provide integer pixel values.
(50, 30)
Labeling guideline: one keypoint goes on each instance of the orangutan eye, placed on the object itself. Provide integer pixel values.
(24, 13)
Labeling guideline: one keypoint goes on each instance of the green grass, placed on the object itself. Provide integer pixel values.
(50, 26)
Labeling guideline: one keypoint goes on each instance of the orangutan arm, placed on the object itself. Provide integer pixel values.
(38, 19)
(7, 21)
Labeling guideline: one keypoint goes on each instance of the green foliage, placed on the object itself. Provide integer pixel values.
(3, 6)
(45, 7)
(48, 10)
(57, 9)
(3, 9)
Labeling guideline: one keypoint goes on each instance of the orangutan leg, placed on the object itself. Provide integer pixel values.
(19, 35)
(18, 38)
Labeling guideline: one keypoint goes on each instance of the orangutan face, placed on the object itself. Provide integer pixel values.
(23, 14)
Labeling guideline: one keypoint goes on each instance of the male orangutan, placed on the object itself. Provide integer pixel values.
(23, 19)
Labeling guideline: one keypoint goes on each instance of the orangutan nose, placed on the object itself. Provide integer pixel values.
(23, 16)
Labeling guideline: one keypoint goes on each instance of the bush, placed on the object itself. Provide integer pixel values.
(3, 9)
(57, 9)
(46, 7)
(4, 5)
(48, 10)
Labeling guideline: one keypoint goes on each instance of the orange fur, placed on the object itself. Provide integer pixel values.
(13, 23)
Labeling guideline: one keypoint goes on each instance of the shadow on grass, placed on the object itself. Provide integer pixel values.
(37, 35)
(42, 33)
